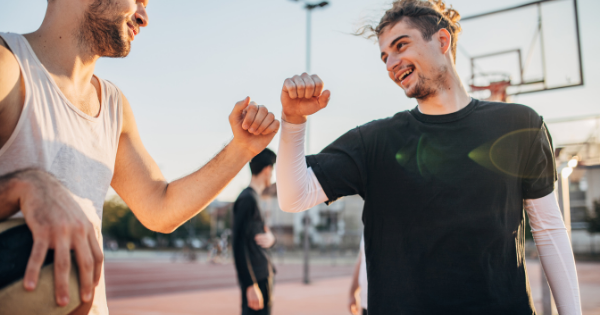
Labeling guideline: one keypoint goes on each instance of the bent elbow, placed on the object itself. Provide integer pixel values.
(159, 227)
(285, 207)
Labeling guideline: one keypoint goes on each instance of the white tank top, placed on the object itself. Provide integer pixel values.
(54, 135)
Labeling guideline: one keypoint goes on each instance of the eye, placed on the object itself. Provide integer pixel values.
(399, 46)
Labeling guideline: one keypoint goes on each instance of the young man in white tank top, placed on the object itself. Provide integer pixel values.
(66, 135)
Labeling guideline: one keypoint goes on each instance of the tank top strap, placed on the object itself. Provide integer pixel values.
(113, 113)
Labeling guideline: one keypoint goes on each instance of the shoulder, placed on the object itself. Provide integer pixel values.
(246, 197)
(380, 126)
(12, 92)
(11, 72)
(519, 114)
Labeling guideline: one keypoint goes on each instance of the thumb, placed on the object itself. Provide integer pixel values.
(240, 106)
(324, 99)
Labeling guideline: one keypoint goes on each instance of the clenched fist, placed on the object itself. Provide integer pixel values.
(253, 126)
(302, 96)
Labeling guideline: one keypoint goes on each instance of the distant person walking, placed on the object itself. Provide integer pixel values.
(359, 287)
(251, 237)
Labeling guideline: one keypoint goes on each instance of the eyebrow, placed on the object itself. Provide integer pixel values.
(394, 42)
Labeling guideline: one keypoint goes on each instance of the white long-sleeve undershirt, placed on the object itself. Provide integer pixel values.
(298, 189)
(554, 247)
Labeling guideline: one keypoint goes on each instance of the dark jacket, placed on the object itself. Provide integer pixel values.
(251, 261)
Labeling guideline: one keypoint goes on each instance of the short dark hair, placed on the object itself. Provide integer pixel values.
(428, 16)
(262, 160)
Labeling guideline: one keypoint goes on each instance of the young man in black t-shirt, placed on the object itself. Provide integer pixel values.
(444, 184)
(251, 237)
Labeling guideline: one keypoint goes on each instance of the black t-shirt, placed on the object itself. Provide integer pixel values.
(251, 260)
(443, 213)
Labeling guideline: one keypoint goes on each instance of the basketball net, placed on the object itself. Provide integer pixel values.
(493, 82)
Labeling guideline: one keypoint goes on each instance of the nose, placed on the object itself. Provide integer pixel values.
(392, 63)
(141, 16)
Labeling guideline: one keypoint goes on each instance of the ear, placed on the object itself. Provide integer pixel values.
(445, 40)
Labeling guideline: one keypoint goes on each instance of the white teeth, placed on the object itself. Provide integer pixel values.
(406, 73)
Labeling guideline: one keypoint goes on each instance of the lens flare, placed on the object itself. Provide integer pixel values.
(502, 155)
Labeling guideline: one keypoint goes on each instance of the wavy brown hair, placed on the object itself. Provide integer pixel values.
(428, 16)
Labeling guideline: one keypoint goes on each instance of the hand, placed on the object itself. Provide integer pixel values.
(253, 126)
(302, 96)
(265, 240)
(57, 222)
(254, 297)
(354, 303)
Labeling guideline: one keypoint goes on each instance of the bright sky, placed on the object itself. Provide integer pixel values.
(197, 58)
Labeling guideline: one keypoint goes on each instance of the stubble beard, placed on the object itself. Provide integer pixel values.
(100, 31)
(426, 87)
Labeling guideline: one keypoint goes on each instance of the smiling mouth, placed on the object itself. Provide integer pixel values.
(133, 30)
(405, 74)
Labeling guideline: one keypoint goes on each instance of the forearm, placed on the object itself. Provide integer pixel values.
(182, 199)
(556, 254)
(354, 284)
(12, 187)
(297, 186)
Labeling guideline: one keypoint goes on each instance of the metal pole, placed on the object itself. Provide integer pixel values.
(306, 213)
(541, 30)
(578, 41)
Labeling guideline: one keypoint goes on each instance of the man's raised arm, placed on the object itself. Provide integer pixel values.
(297, 186)
(163, 206)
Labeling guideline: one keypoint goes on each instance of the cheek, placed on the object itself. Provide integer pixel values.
(391, 75)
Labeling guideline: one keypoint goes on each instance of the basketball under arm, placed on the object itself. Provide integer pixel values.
(298, 188)
(556, 254)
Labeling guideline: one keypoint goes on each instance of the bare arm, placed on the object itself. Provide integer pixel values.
(354, 288)
(163, 206)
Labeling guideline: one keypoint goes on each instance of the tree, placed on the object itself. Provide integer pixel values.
(119, 222)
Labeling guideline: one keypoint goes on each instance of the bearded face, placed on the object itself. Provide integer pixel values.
(103, 30)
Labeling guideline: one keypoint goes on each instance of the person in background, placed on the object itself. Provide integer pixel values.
(251, 238)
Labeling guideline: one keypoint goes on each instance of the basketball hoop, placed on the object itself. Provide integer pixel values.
(495, 83)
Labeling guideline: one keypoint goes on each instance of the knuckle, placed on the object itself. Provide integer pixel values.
(80, 230)
(62, 264)
(31, 270)
(87, 264)
(60, 229)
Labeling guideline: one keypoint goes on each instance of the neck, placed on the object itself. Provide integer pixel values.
(57, 47)
(257, 184)
(450, 97)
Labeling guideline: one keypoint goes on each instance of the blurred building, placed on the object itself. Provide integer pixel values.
(579, 138)
(338, 225)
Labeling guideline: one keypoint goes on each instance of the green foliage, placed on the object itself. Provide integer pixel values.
(593, 220)
(120, 224)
